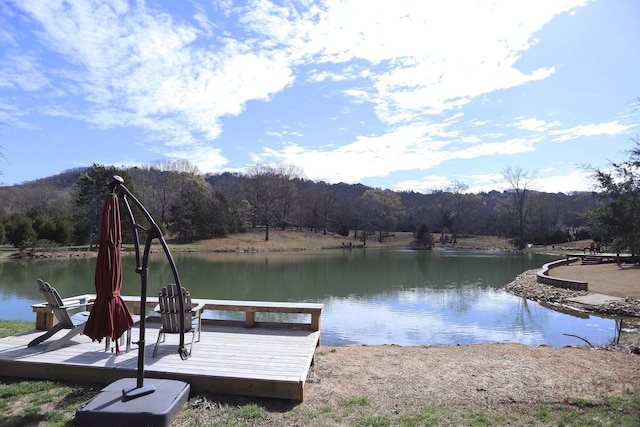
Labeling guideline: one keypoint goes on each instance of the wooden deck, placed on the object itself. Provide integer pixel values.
(265, 361)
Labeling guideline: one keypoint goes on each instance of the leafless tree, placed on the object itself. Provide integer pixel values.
(520, 184)
(381, 208)
(463, 204)
(2, 156)
(271, 193)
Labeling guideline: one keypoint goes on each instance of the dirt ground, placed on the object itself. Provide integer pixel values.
(609, 279)
(493, 378)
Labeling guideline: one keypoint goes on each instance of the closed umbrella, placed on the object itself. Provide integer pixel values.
(109, 316)
(136, 402)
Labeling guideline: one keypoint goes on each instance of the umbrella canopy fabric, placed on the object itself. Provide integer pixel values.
(109, 316)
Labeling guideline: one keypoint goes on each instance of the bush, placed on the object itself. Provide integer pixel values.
(423, 237)
(343, 229)
(20, 232)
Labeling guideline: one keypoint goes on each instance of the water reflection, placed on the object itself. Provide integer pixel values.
(370, 297)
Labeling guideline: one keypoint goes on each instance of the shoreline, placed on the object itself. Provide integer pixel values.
(525, 285)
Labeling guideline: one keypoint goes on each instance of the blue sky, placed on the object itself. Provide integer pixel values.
(403, 94)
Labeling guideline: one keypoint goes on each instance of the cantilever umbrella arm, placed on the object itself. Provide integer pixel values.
(142, 268)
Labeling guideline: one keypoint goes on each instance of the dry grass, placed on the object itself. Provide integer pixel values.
(288, 240)
(278, 241)
(481, 242)
(494, 384)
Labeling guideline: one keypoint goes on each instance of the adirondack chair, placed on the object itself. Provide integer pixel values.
(169, 310)
(74, 322)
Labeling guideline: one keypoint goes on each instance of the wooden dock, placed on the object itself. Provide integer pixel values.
(265, 361)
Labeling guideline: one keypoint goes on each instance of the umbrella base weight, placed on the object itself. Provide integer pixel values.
(157, 404)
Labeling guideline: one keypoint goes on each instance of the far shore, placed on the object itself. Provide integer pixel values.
(289, 240)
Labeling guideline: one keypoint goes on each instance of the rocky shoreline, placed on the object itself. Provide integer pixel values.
(526, 285)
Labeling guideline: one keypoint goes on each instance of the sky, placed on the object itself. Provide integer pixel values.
(405, 95)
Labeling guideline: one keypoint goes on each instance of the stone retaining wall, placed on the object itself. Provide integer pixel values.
(543, 276)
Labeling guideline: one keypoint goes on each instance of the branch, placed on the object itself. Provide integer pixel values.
(583, 339)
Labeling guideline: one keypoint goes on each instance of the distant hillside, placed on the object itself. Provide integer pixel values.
(318, 206)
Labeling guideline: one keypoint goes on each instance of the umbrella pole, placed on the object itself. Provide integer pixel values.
(122, 403)
(142, 268)
(141, 389)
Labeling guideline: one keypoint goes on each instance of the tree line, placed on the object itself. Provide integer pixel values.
(64, 209)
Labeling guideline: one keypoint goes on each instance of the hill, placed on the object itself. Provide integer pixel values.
(194, 207)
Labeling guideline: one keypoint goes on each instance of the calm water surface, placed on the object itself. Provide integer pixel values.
(370, 296)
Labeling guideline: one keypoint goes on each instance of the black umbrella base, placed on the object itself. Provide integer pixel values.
(155, 404)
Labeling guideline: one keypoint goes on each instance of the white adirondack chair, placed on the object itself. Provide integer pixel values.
(73, 322)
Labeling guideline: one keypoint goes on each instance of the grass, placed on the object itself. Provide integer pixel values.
(53, 403)
(304, 240)
(48, 403)
(357, 401)
(32, 402)
(14, 327)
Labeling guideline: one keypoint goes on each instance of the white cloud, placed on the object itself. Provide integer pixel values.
(551, 181)
(177, 79)
(559, 182)
(509, 147)
(534, 125)
(406, 148)
(21, 71)
(140, 67)
(611, 128)
(484, 182)
(423, 61)
(425, 185)
(431, 58)
(10, 113)
(206, 158)
(476, 183)
(321, 76)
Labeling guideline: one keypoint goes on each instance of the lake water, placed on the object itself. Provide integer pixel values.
(370, 296)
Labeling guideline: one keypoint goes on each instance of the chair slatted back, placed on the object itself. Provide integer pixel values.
(169, 303)
(54, 302)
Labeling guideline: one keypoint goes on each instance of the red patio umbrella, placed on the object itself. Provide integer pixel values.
(109, 316)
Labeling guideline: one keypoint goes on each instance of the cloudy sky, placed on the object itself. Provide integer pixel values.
(403, 94)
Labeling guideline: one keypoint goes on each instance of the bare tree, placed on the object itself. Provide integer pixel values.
(271, 193)
(161, 184)
(188, 213)
(287, 192)
(2, 156)
(463, 204)
(382, 208)
(520, 184)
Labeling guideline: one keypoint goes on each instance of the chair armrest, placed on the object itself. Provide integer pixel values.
(195, 309)
(74, 305)
(198, 308)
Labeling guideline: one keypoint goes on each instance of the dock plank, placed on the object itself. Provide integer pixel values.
(265, 362)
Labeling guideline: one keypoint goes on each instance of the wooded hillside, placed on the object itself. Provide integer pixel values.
(63, 209)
